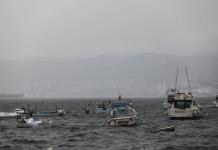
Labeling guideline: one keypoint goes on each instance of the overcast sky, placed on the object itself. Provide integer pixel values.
(71, 28)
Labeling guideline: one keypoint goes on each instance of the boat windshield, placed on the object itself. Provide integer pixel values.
(124, 113)
(182, 104)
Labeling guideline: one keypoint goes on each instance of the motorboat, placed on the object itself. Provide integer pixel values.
(12, 114)
(184, 106)
(170, 98)
(28, 123)
(56, 112)
(98, 108)
(103, 107)
(214, 102)
(171, 94)
(127, 117)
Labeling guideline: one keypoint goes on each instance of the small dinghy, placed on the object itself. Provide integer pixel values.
(170, 128)
(164, 129)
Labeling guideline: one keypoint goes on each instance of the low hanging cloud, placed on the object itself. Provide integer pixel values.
(52, 28)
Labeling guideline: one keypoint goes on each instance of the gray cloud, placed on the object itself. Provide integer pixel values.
(53, 28)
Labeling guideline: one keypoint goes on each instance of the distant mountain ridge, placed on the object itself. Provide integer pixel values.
(141, 75)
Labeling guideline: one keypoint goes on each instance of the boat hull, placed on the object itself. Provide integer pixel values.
(183, 114)
(122, 121)
(24, 125)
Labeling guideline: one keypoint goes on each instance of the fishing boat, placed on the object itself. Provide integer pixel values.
(12, 114)
(107, 106)
(125, 117)
(27, 122)
(103, 107)
(184, 106)
(56, 112)
(98, 108)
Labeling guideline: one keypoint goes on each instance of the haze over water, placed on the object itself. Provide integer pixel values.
(60, 51)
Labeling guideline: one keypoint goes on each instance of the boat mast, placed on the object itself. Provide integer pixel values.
(177, 72)
(186, 69)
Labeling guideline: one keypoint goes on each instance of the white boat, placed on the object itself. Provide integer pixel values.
(214, 102)
(61, 112)
(12, 114)
(184, 106)
(170, 98)
(28, 123)
(127, 117)
(171, 94)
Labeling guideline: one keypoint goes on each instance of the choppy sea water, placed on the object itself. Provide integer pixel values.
(77, 130)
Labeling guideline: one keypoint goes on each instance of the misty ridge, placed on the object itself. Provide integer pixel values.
(141, 75)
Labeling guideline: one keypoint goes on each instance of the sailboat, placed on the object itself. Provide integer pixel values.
(184, 106)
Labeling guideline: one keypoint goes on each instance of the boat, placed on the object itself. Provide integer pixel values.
(184, 106)
(107, 106)
(214, 102)
(125, 117)
(170, 98)
(12, 114)
(56, 112)
(98, 108)
(171, 94)
(165, 129)
(103, 107)
(27, 121)
(168, 129)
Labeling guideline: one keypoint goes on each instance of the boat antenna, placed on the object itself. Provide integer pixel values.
(186, 69)
(177, 73)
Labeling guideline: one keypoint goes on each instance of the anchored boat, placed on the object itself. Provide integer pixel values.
(107, 106)
(164, 129)
(56, 112)
(12, 114)
(170, 98)
(214, 102)
(27, 121)
(125, 117)
(171, 93)
(183, 105)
